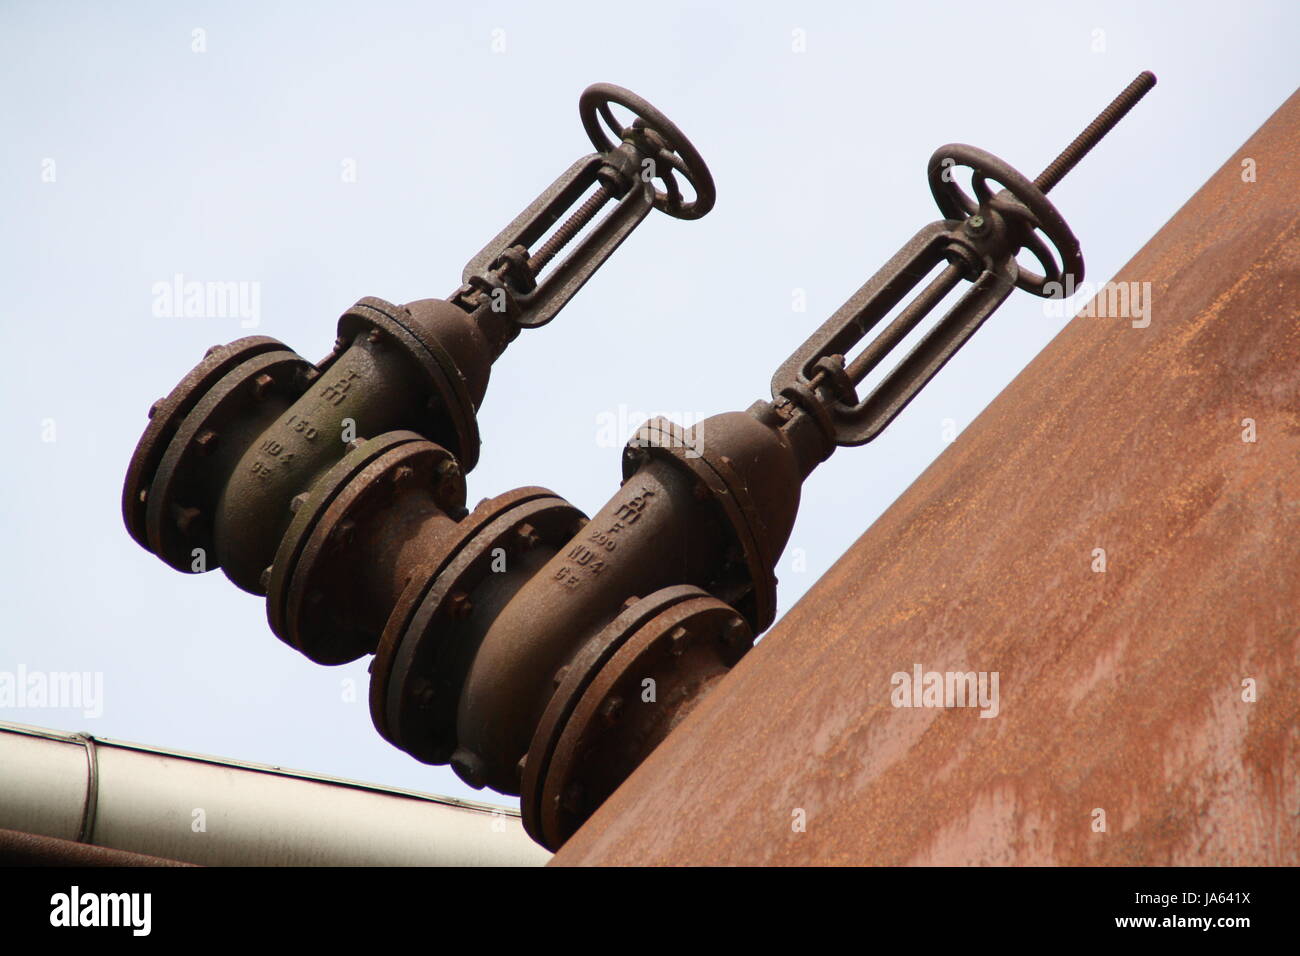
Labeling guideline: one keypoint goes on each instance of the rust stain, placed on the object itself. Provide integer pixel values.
(1120, 691)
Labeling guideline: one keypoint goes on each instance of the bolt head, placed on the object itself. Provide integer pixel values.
(572, 798)
(185, 518)
(680, 638)
(735, 633)
(344, 532)
(459, 605)
(611, 709)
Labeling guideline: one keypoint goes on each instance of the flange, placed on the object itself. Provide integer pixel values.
(429, 640)
(165, 419)
(183, 495)
(357, 492)
(747, 582)
(619, 698)
(451, 419)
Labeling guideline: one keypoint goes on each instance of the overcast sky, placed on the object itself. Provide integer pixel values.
(129, 157)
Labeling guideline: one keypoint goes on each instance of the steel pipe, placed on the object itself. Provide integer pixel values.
(208, 810)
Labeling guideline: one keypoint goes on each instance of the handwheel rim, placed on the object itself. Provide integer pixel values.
(594, 107)
(1038, 212)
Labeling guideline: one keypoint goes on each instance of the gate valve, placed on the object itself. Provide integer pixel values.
(544, 654)
(230, 455)
(556, 679)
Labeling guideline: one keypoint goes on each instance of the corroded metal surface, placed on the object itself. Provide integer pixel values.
(33, 849)
(1121, 690)
(233, 451)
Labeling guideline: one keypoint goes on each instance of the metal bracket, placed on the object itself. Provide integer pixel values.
(534, 307)
(506, 276)
(90, 807)
(979, 238)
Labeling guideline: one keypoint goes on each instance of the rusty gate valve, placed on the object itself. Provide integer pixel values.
(538, 652)
(257, 442)
(569, 679)
(978, 241)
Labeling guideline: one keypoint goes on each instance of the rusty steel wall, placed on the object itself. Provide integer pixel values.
(1120, 690)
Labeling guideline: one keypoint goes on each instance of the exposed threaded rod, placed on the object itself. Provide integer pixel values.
(568, 229)
(907, 320)
(1098, 128)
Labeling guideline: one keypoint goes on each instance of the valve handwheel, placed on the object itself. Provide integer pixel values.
(1020, 200)
(678, 153)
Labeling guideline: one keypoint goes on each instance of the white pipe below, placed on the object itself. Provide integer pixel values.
(218, 812)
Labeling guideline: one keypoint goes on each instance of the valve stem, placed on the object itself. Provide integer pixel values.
(947, 280)
(568, 229)
(1091, 136)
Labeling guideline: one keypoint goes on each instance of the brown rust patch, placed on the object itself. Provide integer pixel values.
(1120, 691)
